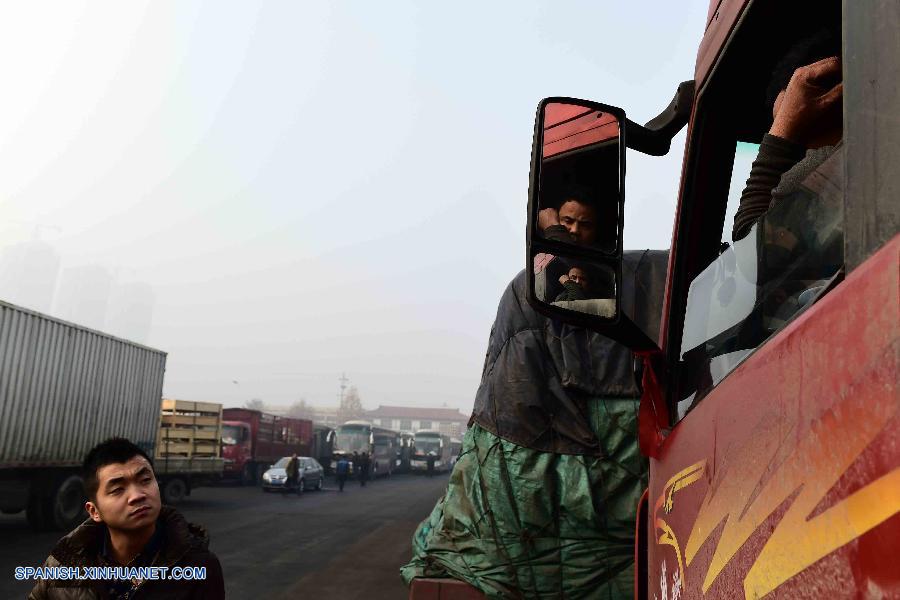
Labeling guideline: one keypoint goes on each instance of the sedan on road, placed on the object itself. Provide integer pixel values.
(312, 475)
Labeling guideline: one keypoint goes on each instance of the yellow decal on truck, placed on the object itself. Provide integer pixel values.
(769, 470)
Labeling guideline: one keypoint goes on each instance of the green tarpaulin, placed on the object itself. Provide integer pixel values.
(520, 523)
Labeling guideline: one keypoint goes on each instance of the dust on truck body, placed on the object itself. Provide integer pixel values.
(63, 389)
(770, 410)
(252, 441)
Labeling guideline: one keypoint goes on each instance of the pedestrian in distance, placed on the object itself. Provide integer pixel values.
(342, 470)
(292, 470)
(127, 526)
(431, 464)
(363, 468)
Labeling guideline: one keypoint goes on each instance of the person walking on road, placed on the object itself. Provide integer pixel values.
(431, 464)
(342, 469)
(292, 470)
(363, 468)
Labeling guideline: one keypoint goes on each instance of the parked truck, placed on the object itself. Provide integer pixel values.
(63, 389)
(252, 441)
(770, 412)
(188, 452)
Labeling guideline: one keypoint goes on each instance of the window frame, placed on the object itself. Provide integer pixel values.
(740, 67)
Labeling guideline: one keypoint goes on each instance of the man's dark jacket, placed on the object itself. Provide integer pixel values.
(537, 371)
(185, 545)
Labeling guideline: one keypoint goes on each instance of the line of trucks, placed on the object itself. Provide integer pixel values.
(64, 388)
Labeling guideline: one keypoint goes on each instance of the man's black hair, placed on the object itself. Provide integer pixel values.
(578, 193)
(812, 48)
(112, 451)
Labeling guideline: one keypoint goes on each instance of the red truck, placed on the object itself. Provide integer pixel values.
(253, 440)
(770, 412)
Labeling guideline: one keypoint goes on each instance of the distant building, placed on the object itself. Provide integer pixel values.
(83, 296)
(448, 421)
(131, 311)
(28, 273)
(321, 415)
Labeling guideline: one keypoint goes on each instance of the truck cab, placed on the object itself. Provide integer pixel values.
(770, 412)
(237, 448)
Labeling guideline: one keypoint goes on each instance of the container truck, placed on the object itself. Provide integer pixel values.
(252, 441)
(63, 389)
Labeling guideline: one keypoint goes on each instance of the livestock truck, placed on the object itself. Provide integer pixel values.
(65, 388)
(770, 411)
(252, 441)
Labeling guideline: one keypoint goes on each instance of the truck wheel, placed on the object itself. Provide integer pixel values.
(67, 503)
(247, 475)
(174, 490)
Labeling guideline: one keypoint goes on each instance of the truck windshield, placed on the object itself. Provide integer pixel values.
(232, 434)
(763, 280)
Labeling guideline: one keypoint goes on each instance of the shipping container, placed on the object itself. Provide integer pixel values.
(64, 389)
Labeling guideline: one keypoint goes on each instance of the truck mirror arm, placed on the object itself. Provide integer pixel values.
(655, 137)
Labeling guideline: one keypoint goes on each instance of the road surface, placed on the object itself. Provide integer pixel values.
(321, 545)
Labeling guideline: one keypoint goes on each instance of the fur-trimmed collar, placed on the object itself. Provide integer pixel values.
(83, 545)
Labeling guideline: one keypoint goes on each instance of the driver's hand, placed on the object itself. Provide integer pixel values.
(547, 218)
(563, 279)
(811, 103)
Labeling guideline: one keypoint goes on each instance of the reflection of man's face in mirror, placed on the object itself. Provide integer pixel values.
(580, 220)
(577, 275)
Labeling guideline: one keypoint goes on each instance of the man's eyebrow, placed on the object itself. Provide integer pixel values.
(117, 480)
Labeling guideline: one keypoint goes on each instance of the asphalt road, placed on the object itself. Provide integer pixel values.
(320, 545)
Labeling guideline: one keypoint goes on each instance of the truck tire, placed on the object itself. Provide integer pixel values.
(66, 506)
(174, 490)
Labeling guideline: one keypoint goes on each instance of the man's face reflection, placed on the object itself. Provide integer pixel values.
(580, 220)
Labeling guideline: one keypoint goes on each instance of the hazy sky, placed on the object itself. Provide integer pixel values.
(316, 188)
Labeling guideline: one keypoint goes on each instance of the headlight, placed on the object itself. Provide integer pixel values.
(267, 477)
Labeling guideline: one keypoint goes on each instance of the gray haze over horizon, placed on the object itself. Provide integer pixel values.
(277, 193)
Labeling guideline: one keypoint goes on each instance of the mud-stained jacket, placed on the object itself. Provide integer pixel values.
(184, 545)
(537, 371)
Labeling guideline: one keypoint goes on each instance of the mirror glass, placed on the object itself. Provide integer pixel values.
(575, 283)
(580, 188)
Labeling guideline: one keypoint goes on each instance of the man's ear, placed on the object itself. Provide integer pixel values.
(93, 512)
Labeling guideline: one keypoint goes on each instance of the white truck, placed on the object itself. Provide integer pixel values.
(63, 389)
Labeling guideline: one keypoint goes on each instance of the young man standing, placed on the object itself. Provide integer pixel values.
(128, 527)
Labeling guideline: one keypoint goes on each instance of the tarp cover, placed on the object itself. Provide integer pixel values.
(541, 503)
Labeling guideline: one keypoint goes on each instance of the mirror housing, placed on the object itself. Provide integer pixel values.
(575, 273)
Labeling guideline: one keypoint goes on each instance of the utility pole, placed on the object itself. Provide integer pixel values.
(343, 379)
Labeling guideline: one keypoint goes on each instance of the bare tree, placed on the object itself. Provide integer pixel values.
(351, 406)
(255, 404)
(301, 410)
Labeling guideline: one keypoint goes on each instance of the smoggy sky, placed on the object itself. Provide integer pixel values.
(316, 188)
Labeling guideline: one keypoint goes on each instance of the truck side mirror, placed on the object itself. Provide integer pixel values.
(576, 201)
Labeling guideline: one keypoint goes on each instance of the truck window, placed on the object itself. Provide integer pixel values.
(764, 280)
